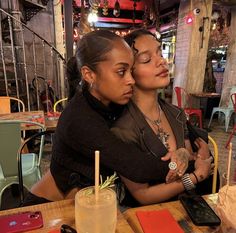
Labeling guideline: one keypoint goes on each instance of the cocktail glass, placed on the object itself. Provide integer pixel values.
(95, 216)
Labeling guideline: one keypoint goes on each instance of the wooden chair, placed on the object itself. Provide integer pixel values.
(233, 99)
(5, 104)
(181, 93)
(58, 102)
(216, 158)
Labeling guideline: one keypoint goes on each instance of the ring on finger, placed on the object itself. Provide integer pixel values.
(179, 173)
(172, 165)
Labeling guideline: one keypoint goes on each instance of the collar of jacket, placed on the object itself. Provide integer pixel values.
(176, 118)
(109, 113)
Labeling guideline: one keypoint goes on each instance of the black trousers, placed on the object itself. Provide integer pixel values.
(31, 199)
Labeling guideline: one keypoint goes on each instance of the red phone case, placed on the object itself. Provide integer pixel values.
(21, 222)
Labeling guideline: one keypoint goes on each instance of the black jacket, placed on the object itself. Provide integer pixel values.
(133, 127)
(84, 127)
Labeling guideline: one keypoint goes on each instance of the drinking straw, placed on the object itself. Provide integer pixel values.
(229, 162)
(97, 158)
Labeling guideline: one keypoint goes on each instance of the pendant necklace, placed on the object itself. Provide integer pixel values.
(161, 134)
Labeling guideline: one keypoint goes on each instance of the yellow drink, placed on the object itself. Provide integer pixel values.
(95, 216)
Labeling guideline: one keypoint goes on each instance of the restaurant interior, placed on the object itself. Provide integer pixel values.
(38, 38)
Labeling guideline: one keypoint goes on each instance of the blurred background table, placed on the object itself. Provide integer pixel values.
(50, 122)
(206, 101)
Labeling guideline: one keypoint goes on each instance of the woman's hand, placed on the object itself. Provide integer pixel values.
(203, 149)
(203, 168)
(181, 158)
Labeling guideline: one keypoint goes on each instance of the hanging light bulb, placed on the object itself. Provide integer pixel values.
(116, 10)
(214, 26)
(92, 17)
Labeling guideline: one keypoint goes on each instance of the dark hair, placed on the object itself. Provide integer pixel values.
(93, 47)
(73, 77)
(132, 36)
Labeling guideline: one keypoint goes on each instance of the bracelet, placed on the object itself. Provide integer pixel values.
(187, 182)
(195, 176)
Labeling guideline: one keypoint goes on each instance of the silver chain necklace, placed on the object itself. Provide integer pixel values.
(161, 134)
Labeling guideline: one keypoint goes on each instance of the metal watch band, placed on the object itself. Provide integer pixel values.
(187, 182)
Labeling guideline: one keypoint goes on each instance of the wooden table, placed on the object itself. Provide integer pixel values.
(51, 122)
(62, 212)
(206, 101)
(37, 116)
(178, 213)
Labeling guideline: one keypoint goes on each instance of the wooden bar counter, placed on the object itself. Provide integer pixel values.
(62, 212)
(178, 212)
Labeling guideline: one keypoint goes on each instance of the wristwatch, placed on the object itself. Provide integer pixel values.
(187, 182)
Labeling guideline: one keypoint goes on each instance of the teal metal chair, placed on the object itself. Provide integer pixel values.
(15, 167)
(227, 111)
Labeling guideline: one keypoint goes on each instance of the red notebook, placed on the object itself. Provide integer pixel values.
(158, 221)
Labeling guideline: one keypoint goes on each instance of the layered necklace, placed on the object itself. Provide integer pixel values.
(161, 134)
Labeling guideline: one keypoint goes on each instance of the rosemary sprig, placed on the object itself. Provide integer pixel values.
(108, 183)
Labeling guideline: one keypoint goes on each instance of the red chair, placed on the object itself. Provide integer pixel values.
(181, 93)
(233, 99)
